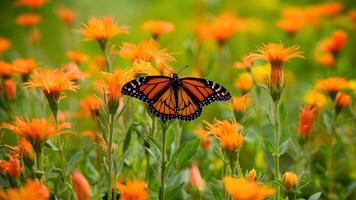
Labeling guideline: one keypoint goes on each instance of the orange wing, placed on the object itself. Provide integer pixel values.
(164, 107)
(188, 108)
(147, 88)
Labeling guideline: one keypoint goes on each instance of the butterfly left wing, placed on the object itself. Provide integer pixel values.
(205, 91)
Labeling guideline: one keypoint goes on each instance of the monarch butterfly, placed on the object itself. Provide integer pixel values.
(175, 98)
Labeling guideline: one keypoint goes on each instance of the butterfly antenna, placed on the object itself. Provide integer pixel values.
(185, 67)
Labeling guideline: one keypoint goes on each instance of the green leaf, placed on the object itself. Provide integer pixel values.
(171, 193)
(127, 140)
(284, 146)
(315, 196)
(169, 140)
(268, 145)
(188, 150)
(73, 160)
(282, 112)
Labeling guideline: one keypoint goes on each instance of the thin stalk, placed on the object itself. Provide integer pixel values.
(276, 146)
(238, 167)
(107, 60)
(163, 163)
(39, 165)
(110, 158)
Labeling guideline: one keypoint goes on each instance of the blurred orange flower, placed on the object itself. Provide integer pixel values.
(241, 189)
(306, 120)
(290, 180)
(227, 132)
(158, 27)
(332, 85)
(244, 82)
(36, 129)
(224, 27)
(31, 3)
(5, 44)
(12, 167)
(195, 178)
(203, 135)
(52, 82)
(291, 25)
(6, 69)
(141, 67)
(66, 15)
(35, 37)
(90, 106)
(133, 190)
(26, 148)
(28, 19)
(325, 59)
(73, 72)
(241, 103)
(330, 9)
(31, 190)
(343, 100)
(10, 89)
(77, 57)
(80, 185)
(24, 66)
(335, 43)
(101, 29)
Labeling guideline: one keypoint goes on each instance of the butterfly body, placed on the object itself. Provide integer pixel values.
(175, 98)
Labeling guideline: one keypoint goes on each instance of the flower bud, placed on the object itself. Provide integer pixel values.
(290, 180)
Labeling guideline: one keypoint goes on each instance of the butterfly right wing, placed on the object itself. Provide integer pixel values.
(147, 88)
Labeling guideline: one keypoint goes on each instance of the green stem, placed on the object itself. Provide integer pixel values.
(163, 163)
(39, 164)
(110, 158)
(239, 171)
(276, 146)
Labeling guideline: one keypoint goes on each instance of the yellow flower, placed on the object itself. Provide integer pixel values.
(227, 132)
(241, 189)
(31, 190)
(101, 29)
(315, 98)
(290, 180)
(158, 27)
(133, 190)
(244, 82)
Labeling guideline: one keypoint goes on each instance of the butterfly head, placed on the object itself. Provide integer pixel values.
(175, 79)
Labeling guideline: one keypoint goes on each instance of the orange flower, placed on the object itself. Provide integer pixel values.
(32, 190)
(77, 57)
(140, 67)
(335, 43)
(146, 51)
(80, 185)
(332, 85)
(343, 100)
(202, 31)
(241, 103)
(26, 149)
(244, 82)
(28, 19)
(241, 189)
(158, 27)
(326, 59)
(251, 176)
(5, 44)
(245, 64)
(36, 129)
(6, 69)
(31, 3)
(352, 15)
(276, 55)
(66, 15)
(330, 9)
(101, 29)
(291, 25)
(35, 37)
(290, 180)
(306, 120)
(12, 167)
(195, 178)
(90, 106)
(227, 132)
(24, 66)
(224, 27)
(203, 135)
(133, 190)
(10, 89)
(52, 82)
